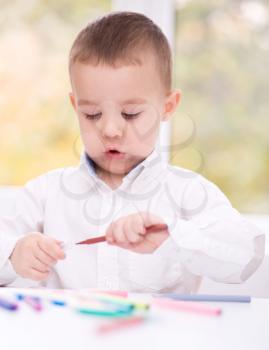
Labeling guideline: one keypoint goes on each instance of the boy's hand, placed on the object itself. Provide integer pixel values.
(34, 255)
(129, 232)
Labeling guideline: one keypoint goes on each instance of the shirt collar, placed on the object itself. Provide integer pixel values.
(152, 163)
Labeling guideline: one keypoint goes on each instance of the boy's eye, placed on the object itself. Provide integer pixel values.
(130, 115)
(93, 116)
(98, 115)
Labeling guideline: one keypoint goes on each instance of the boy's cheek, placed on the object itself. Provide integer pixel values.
(92, 143)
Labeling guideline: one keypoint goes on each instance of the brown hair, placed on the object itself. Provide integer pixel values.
(118, 37)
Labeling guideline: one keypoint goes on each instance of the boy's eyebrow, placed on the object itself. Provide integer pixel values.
(129, 101)
(85, 102)
(134, 100)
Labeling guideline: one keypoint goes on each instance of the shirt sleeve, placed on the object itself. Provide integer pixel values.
(214, 240)
(26, 216)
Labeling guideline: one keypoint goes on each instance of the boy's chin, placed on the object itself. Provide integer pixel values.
(117, 171)
(117, 167)
(113, 169)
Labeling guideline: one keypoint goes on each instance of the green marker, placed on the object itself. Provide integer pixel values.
(123, 301)
(104, 308)
(104, 313)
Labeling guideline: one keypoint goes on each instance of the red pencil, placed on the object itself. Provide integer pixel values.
(150, 229)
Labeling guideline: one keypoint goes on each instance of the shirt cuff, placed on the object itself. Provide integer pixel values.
(226, 252)
(235, 243)
(7, 272)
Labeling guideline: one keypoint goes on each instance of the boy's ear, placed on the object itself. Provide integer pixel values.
(72, 99)
(171, 102)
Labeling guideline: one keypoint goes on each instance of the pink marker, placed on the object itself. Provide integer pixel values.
(120, 324)
(33, 302)
(176, 305)
(116, 293)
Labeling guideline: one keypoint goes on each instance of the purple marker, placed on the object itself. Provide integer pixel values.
(8, 305)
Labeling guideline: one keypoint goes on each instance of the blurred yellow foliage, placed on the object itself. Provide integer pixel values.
(221, 66)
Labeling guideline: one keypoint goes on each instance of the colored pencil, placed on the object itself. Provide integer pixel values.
(150, 229)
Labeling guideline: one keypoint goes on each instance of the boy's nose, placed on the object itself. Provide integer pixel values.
(112, 129)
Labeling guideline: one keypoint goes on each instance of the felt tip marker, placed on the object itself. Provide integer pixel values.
(8, 305)
(105, 313)
(58, 302)
(32, 301)
(207, 297)
(123, 301)
(187, 306)
(116, 293)
(120, 324)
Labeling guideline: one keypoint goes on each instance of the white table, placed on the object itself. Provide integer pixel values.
(241, 326)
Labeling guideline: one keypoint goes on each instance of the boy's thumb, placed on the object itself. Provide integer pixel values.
(153, 222)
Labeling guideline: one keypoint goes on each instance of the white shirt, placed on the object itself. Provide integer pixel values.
(208, 237)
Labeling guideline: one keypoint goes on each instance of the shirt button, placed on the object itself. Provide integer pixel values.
(108, 284)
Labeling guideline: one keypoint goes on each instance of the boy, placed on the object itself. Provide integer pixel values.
(120, 72)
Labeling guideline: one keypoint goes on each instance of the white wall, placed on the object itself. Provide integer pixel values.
(162, 12)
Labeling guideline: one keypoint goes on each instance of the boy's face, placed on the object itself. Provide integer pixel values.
(119, 108)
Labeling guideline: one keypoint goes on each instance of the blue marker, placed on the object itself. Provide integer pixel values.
(8, 305)
(19, 296)
(58, 302)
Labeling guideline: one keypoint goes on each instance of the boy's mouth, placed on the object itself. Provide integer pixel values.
(114, 154)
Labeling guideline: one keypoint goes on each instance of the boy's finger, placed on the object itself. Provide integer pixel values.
(44, 257)
(150, 219)
(52, 248)
(131, 233)
(39, 266)
(47, 251)
(37, 275)
(138, 226)
(138, 223)
(118, 233)
(109, 234)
